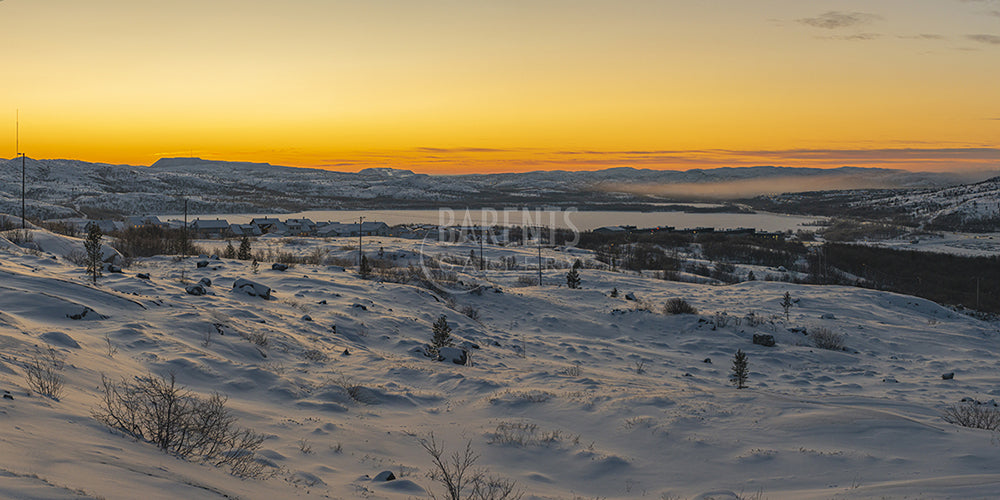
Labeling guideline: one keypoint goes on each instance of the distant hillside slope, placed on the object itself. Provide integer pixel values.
(60, 188)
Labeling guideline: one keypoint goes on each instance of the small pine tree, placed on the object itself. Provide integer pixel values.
(750, 276)
(577, 264)
(573, 278)
(741, 370)
(786, 304)
(365, 269)
(244, 253)
(254, 266)
(93, 247)
(614, 292)
(441, 334)
(230, 252)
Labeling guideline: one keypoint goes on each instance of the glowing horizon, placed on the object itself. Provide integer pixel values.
(483, 87)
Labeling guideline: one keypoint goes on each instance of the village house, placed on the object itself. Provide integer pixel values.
(209, 228)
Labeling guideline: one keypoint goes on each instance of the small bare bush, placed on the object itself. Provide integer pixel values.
(159, 411)
(824, 338)
(461, 480)
(314, 355)
(44, 373)
(354, 389)
(973, 414)
(678, 306)
(471, 312)
(259, 338)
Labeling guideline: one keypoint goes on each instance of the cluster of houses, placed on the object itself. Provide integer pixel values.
(221, 228)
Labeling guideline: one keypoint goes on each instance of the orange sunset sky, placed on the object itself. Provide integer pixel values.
(506, 85)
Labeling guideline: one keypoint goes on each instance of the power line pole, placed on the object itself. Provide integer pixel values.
(186, 236)
(482, 236)
(360, 233)
(22, 192)
(539, 236)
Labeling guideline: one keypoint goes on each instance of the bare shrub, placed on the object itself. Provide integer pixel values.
(43, 373)
(721, 319)
(973, 414)
(353, 389)
(460, 480)
(471, 312)
(259, 338)
(158, 411)
(528, 434)
(824, 338)
(640, 366)
(314, 355)
(573, 371)
(527, 281)
(678, 306)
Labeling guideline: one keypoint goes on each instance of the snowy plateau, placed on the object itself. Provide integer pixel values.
(572, 393)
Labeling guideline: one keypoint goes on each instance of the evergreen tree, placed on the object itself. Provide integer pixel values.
(94, 255)
(786, 304)
(244, 253)
(614, 292)
(741, 370)
(441, 334)
(573, 278)
(230, 252)
(750, 276)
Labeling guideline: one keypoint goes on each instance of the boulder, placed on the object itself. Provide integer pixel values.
(201, 263)
(307, 318)
(763, 339)
(385, 476)
(142, 276)
(454, 355)
(196, 289)
(277, 266)
(630, 296)
(948, 376)
(205, 282)
(252, 289)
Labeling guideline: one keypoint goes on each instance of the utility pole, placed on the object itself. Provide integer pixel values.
(539, 236)
(482, 236)
(977, 292)
(22, 192)
(360, 233)
(17, 146)
(186, 236)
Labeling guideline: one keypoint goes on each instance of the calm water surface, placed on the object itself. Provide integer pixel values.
(565, 219)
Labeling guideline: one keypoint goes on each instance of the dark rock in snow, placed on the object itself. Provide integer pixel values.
(948, 376)
(87, 313)
(307, 318)
(322, 302)
(630, 296)
(360, 306)
(201, 263)
(708, 360)
(142, 276)
(114, 269)
(7, 395)
(828, 316)
(277, 266)
(453, 354)
(197, 289)
(205, 282)
(763, 339)
(252, 288)
(347, 352)
(385, 476)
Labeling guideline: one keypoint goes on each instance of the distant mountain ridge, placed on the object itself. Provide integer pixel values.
(62, 188)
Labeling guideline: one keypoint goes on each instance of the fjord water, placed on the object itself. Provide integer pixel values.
(564, 219)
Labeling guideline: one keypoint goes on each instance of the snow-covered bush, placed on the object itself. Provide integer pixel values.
(973, 414)
(678, 306)
(159, 411)
(824, 338)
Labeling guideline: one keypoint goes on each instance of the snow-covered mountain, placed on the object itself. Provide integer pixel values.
(57, 188)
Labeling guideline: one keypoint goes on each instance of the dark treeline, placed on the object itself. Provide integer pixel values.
(751, 250)
(943, 278)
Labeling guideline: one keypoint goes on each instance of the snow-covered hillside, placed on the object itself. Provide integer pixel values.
(573, 393)
(61, 188)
